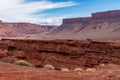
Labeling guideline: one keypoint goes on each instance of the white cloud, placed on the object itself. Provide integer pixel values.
(18, 11)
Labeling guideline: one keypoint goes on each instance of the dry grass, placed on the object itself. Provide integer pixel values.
(65, 70)
(78, 69)
(23, 63)
(49, 67)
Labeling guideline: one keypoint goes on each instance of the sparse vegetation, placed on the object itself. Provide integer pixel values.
(91, 69)
(65, 70)
(23, 63)
(49, 67)
(78, 69)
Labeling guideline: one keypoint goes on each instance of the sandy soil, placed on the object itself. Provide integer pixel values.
(14, 72)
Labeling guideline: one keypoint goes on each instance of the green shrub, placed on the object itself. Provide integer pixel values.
(23, 63)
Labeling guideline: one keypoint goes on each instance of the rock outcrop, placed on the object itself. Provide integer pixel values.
(106, 15)
(76, 20)
(91, 27)
(71, 25)
(61, 53)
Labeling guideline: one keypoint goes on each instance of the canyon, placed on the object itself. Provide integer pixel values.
(86, 43)
(104, 57)
(60, 53)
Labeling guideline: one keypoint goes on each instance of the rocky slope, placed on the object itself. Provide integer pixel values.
(49, 28)
(7, 31)
(60, 53)
(25, 28)
(99, 25)
(21, 29)
(103, 57)
(71, 25)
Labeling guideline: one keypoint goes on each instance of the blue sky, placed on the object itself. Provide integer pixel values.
(51, 12)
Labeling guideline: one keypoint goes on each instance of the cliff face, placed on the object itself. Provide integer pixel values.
(71, 54)
(99, 23)
(60, 53)
(71, 25)
(76, 20)
(106, 15)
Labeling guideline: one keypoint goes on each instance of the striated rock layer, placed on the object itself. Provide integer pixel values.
(60, 53)
(76, 20)
(25, 28)
(99, 25)
(22, 29)
(106, 15)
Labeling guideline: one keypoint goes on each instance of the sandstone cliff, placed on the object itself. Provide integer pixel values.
(71, 25)
(99, 25)
(93, 60)
(106, 15)
(60, 53)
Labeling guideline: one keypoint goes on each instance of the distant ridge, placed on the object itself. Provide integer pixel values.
(99, 25)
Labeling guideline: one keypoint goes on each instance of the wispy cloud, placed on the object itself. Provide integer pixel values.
(18, 11)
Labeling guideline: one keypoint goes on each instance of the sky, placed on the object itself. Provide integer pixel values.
(51, 12)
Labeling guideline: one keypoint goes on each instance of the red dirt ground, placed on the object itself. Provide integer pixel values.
(14, 72)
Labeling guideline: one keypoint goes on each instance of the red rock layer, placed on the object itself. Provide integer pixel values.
(25, 28)
(106, 15)
(60, 53)
(76, 20)
(99, 15)
(98, 23)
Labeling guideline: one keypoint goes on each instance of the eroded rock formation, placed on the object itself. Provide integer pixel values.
(60, 53)
(95, 27)
(76, 20)
(106, 15)
(26, 28)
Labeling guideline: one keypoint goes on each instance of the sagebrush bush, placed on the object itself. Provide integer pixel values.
(65, 70)
(49, 67)
(91, 69)
(23, 63)
(78, 69)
